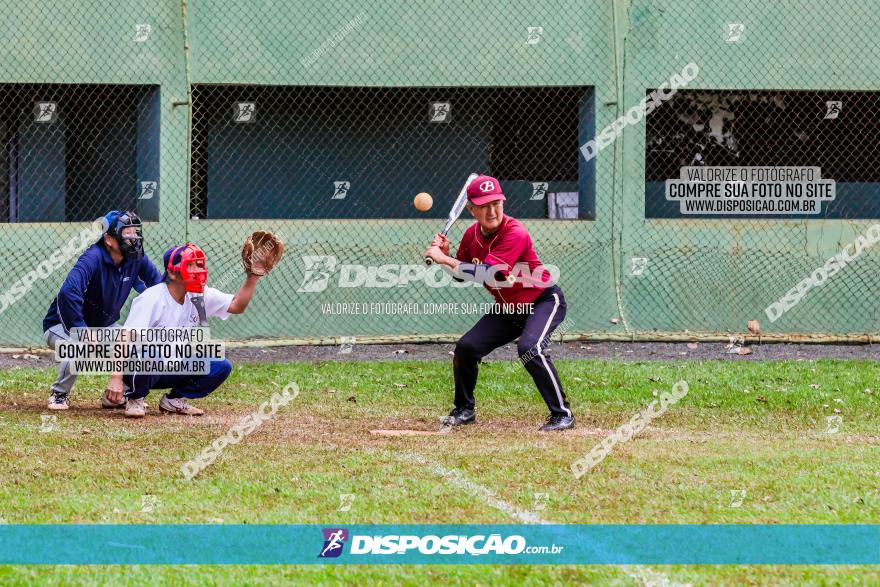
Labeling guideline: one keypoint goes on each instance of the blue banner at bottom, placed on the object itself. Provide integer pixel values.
(441, 544)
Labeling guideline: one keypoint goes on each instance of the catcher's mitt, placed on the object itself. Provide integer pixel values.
(261, 252)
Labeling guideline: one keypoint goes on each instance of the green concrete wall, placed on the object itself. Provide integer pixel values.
(702, 276)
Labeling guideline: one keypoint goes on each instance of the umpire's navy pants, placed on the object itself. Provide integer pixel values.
(188, 386)
(496, 329)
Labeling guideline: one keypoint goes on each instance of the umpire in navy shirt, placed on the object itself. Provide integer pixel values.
(94, 292)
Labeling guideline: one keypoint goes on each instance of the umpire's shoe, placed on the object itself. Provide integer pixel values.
(558, 422)
(459, 416)
(58, 402)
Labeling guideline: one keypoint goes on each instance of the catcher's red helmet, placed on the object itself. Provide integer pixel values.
(192, 264)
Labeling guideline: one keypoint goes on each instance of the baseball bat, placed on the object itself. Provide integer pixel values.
(456, 210)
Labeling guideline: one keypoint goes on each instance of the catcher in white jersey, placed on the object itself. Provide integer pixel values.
(182, 300)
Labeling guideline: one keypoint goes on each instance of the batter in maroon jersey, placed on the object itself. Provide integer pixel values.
(497, 251)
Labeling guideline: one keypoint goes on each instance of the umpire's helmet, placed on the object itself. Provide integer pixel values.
(115, 222)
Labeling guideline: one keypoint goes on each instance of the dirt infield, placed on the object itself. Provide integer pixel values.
(637, 351)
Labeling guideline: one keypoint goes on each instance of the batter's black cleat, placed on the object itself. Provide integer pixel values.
(458, 417)
(558, 422)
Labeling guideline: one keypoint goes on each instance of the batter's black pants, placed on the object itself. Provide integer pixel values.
(498, 328)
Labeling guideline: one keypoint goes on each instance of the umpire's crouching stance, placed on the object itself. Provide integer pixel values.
(497, 251)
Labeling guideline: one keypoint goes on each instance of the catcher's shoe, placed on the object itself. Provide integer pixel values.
(106, 403)
(178, 406)
(459, 417)
(58, 401)
(135, 408)
(558, 422)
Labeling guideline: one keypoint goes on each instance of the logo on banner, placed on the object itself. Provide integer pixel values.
(334, 540)
(639, 264)
(148, 190)
(439, 112)
(735, 32)
(340, 189)
(539, 190)
(535, 35)
(832, 109)
(245, 112)
(142, 32)
(46, 112)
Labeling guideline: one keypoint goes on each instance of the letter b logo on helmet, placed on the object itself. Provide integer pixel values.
(487, 186)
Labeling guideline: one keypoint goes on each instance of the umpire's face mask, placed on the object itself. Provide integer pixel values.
(131, 242)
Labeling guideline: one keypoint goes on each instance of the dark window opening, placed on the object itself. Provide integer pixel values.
(837, 131)
(73, 152)
(340, 152)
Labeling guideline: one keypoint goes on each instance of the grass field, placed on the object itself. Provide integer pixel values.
(754, 427)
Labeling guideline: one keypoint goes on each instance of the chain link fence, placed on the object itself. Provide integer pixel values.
(74, 151)
(779, 85)
(213, 119)
(334, 153)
